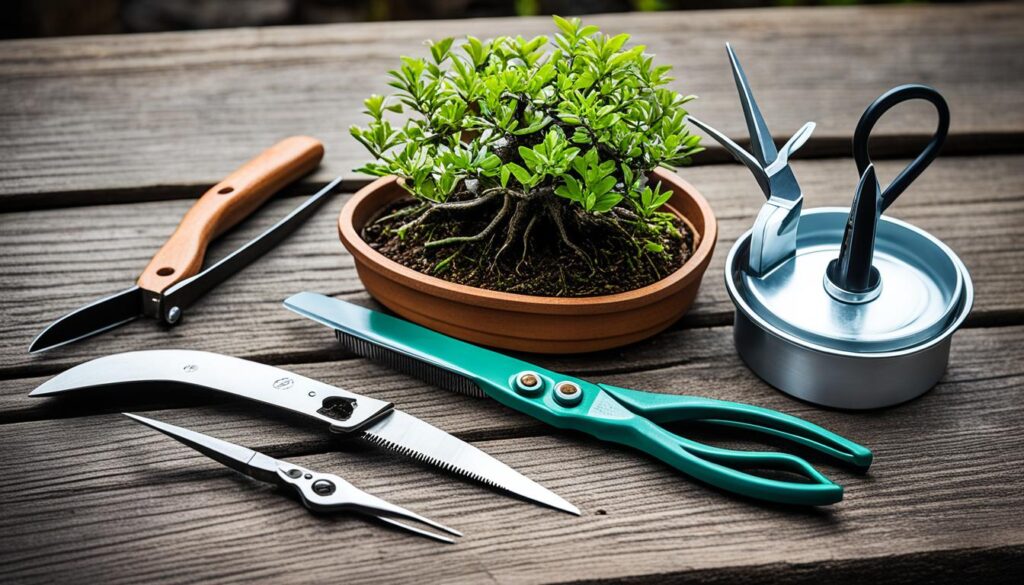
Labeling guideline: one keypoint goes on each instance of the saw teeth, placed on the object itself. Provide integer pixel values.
(418, 456)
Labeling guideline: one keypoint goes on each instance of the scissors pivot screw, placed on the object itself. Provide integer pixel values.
(294, 473)
(529, 383)
(323, 487)
(568, 393)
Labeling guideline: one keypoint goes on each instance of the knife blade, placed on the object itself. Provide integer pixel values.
(181, 257)
(92, 319)
(346, 412)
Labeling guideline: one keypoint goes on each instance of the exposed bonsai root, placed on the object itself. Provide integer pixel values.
(487, 231)
(447, 206)
(526, 242)
(514, 226)
(556, 216)
(402, 213)
(477, 247)
(625, 214)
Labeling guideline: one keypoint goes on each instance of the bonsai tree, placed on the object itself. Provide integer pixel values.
(528, 163)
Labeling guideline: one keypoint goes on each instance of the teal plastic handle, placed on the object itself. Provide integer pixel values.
(619, 415)
(663, 408)
(724, 467)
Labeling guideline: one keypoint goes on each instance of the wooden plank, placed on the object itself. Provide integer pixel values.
(98, 497)
(154, 116)
(55, 260)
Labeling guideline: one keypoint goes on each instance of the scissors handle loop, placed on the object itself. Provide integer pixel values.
(725, 467)
(876, 110)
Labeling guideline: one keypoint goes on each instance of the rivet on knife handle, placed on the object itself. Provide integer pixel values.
(226, 204)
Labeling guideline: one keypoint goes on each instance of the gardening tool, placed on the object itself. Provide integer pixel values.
(320, 492)
(347, 413)
(773, 237)
(172, 281)
(850, 309)
(619, 415)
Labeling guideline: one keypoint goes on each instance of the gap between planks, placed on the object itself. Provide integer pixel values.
(243, 316)
(883, 149)
(113, 130)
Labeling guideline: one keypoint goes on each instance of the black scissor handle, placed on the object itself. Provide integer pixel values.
(876, 110)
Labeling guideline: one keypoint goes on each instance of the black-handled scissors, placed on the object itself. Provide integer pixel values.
(876, 110)
(852, 271)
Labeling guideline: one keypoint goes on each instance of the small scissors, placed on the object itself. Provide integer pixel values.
(619, 415)
(320, 492)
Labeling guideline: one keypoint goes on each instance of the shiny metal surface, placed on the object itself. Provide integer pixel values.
(222, 373)
(840, 379)
(92, 319)
(921, 287)
(346, 412)
(321, 492)
(774, 231)
(792, 333)
(411, 436)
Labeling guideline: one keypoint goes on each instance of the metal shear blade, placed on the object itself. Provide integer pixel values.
(773, 236)
(320, 492)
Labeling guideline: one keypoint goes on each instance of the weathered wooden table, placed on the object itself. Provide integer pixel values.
(106, 141)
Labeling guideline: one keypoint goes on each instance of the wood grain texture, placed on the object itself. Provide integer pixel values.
(99, 497)
(225, 204)
(89, 496)
(153, 116)
(98, 249)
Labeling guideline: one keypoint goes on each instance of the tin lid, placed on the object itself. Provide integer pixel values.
(920, 294)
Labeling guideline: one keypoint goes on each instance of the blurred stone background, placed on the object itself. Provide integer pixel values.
(42, 18)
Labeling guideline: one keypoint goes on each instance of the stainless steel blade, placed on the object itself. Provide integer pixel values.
(344, 411)
(94, 318)
(241, 459)
(411, 436)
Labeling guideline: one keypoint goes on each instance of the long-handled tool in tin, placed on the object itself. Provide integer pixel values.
(620, 415)
(172, 281)
(320, 492)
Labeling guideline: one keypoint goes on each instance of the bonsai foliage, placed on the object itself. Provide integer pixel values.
(541, 137)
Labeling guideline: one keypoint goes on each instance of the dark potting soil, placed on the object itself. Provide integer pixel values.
(547, 268)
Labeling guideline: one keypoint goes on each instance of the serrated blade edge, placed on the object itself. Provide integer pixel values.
(414, 438)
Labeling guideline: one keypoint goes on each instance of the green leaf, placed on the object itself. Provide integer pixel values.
(615, 43)
(570, 190)
(605, 202)
(654, 247)
(567, 27)
(603, 186)
(439, 50)
(522, 175)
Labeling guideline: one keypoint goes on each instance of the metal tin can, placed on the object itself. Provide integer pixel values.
(802, 338)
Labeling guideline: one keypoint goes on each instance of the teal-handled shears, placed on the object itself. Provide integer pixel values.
(628, 417)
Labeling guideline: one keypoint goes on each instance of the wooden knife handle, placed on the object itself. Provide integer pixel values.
(226, 204)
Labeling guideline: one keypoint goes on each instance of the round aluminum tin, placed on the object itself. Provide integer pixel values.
(797, 337)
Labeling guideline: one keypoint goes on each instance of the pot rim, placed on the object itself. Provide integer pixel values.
(690, 271)
(965, 305)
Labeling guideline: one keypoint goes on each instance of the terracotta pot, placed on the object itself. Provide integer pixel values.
(525, 322)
